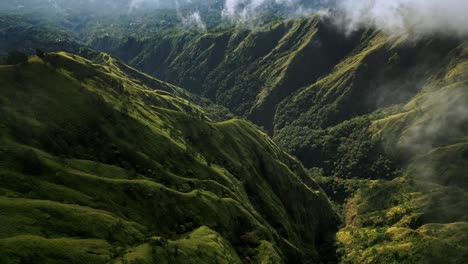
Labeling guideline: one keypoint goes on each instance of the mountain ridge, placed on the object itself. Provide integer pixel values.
(122, 185)
(380, 125)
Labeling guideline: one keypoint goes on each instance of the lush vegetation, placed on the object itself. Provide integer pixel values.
(249, 71)
(102, 163)
(26, 34)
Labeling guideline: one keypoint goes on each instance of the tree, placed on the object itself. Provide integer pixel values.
(40, 53)
(16, 57)
(30, 162)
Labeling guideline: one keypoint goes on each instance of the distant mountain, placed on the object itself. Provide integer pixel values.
(28, 34)
(83, 6)
(131, 6)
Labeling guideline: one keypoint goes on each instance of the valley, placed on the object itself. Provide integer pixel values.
(137, 140)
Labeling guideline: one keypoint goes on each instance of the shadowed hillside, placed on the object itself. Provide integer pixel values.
(303, 81)
(384, 115)
(101, 163)
(248, 71)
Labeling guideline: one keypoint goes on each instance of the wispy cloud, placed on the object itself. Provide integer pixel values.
(194, 21)
(248, 11)
(394, 16)
(399, 16)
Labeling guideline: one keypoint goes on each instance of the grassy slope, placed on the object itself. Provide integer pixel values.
(396, 119)
(420, 216)
(409, 91)
(95, 162)
(248, 71)
(386, 106)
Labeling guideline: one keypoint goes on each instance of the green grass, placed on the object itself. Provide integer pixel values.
(93, 150)
(99, 152)
(203, 245)
(27, 249)
(249, 71)
(402, 245)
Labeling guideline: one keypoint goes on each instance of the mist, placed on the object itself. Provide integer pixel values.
(230, 9)
(95, 7)
(250, 11)
(417, 17)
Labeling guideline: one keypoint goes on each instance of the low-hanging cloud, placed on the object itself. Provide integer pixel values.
(248, 11)
(394, 16)
(194, 21)
(418, 17)
(400, 16)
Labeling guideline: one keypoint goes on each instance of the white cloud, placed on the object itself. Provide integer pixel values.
(398, 16)
(248, 10)
(194, 20)
(395, 16)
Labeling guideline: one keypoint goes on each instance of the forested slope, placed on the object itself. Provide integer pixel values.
(102, 163)
(380, 121)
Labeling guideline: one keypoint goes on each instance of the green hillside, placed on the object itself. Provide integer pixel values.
(417, 213)
(394, 111)
(383, 117)
(249, 71)
(100, 163)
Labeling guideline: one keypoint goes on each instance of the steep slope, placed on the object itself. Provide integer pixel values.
(380, 120)
(305, 82)
(421, 215)
(249, 71)
(334, 114)
(100, 163)
(387, 122)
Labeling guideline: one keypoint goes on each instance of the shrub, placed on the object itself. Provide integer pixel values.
(40, 53)
(30, 162)
(250, 239)
(158, 241)
(16, 57)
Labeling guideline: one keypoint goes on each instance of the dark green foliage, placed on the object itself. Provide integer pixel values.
(16, 57)
(250, 239)
(236, 68)
(27, 32)
(40, 53)
(29, 162)
(96, 174)
(346, 150)
(338, 189)
(358, 109)
(218, 113)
